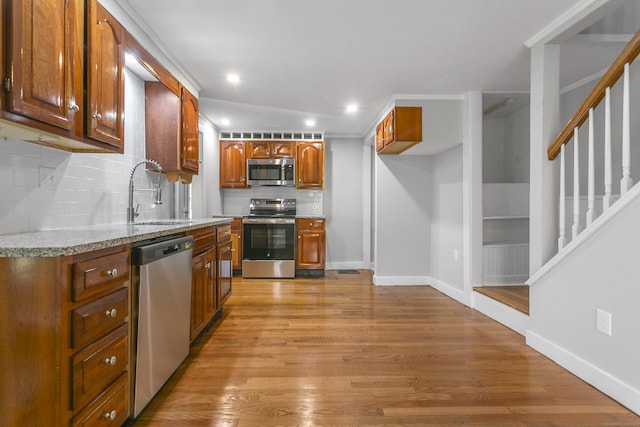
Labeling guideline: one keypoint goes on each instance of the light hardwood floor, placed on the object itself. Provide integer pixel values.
(339, 351)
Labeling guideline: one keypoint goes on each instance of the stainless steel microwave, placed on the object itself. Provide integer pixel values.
(271, 172)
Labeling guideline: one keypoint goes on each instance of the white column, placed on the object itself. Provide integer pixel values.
(471, 194)
(562, 239)
(545, 126)
(626, 182)
(575, 229)
(608, 179)
(591, 183)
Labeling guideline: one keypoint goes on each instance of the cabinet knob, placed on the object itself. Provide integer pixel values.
(111, 415)
(111, 361)
(112, 313)
(74, 107)
(112, 273)
(97, 116)
(242, 179)
(299, 236)
(207, 265)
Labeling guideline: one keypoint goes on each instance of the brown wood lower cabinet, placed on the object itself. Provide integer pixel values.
(310, 246)
(212, 271)
(236, 245)
(67, 351)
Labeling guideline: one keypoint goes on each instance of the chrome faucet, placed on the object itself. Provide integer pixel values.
(131, 212)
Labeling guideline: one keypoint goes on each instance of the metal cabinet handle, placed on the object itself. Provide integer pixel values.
(97, 116)
(74, 107)
(112, 313)
(112, 273)
(111, 415)
(111, 361)
(242, 179)
(207, 265)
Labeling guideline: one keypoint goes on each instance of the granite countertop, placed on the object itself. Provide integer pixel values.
(76, 240)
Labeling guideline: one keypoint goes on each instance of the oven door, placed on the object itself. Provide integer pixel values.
(268, 238)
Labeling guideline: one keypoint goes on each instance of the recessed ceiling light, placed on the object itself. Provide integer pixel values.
(352, 108)
(233, 78)
(225, 122)
(310, 122)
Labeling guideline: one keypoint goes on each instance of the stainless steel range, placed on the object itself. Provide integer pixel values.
(268, 239)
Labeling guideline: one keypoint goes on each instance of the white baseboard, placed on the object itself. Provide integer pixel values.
(450, 291)
(502, 313)
(401, 280)
(603, 381)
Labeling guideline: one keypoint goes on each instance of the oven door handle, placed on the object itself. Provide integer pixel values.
(268, 221)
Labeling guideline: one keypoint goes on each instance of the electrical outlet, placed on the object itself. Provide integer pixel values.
(47, 177)
(603, 322)
(456, 255)
(315, 206)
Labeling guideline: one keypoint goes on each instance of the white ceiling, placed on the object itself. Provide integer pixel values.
(299, 59)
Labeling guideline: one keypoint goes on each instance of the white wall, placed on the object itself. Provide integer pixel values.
(346, 199)
(209, 176)
(446, 218)
(44, 188)
(505, 143)
(569, 103)
(602, 273)
(403, 230)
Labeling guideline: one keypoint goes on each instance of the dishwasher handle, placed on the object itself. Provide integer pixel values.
(152, 250)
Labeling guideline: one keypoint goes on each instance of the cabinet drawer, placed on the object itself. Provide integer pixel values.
(224, 233)
(97, 366)
(95, 276)
(111, 408)
(310, 224)
(203, 239)
(95, 319)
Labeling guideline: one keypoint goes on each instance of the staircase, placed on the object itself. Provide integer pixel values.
(585, 302)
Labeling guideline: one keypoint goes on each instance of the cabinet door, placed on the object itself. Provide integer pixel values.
(282, 150)
(389, 128)
(380, 136)
(310, 250)
(105, 74)
(197, 294)
(225, 272)
(42, 41)
(310, 165)
(190, 137)
(210, 293)
(258, 150)
(233, 168)
(236, 250)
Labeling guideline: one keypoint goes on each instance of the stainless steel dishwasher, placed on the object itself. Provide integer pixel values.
(163, 313)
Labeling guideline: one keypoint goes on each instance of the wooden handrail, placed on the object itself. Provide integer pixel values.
(628, 54)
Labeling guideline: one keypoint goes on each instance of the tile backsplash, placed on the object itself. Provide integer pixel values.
(308, 202)
(43, 188)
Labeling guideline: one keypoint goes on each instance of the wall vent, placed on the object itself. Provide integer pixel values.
(272, 136)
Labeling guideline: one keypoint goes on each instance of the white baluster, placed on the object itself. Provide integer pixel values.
(576, 186)
(626, 182)
(591, 183)
(608, 179)
(562, 239)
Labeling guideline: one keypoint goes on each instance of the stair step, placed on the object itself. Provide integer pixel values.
(516, 297)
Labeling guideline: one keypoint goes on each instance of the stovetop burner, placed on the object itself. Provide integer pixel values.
(272, 207)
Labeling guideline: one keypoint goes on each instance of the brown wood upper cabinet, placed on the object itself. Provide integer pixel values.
(171, 126)
(233, 167)
(105, 94)
(190, 156)
(399, 130)
(271, 150)
(310, 165)
(44, 78)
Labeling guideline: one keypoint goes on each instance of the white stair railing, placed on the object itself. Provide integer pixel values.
(602, 91)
